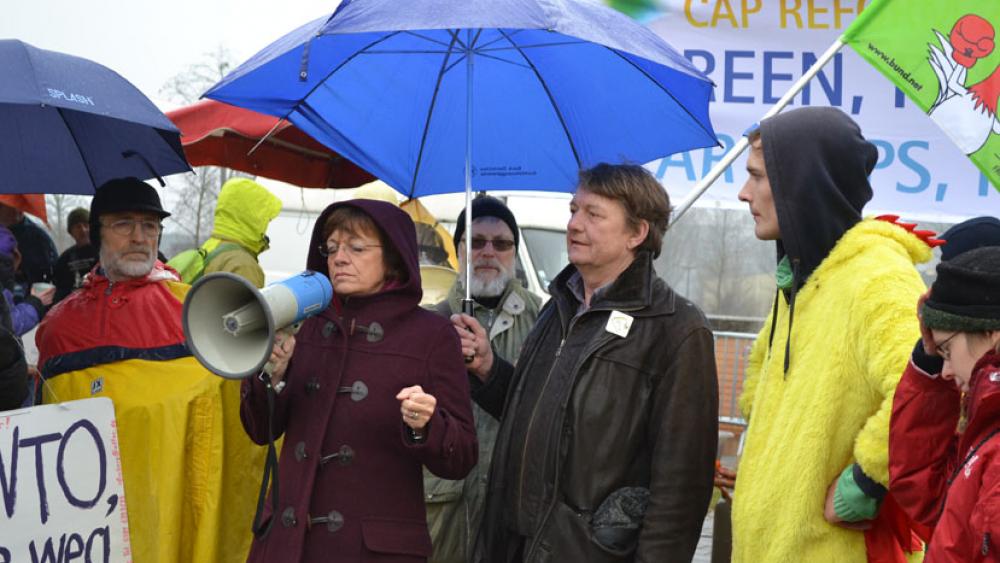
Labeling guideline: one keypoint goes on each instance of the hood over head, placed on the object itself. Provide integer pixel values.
(818, 165)
(398, 228)
(243, 212)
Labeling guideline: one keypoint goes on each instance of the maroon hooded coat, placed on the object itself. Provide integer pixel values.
(347, 457)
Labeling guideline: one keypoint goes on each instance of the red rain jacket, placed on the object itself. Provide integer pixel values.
(949, 483)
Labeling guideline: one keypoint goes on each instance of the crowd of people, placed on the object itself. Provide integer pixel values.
(581, 429)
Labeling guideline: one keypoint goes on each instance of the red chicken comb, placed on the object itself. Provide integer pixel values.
(928, 237)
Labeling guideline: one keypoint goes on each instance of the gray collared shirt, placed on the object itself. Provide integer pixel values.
(575, 286)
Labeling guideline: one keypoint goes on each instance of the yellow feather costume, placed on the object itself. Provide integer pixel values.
(853, 329)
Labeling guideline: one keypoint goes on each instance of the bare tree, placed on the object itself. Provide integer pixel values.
(187, 86)
(58, 206)
(713, 258)
(197, 193)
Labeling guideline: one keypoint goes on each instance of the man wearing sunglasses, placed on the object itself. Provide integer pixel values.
(120, 336)
(507, 311)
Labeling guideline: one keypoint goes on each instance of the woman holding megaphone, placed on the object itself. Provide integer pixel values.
(371, 389)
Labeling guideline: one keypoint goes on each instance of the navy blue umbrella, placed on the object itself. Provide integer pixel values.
(441, 96)
(68, 124)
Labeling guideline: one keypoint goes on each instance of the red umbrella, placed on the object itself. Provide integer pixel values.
(28, 203)
(217, 134)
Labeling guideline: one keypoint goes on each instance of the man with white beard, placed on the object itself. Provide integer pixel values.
(120, 336)
(507, 311)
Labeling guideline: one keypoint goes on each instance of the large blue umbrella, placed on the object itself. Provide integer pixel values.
(437, 96)
(67, 125)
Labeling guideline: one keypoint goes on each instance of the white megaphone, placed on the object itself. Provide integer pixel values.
(230, 325)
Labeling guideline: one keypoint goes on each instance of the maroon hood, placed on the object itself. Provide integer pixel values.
(399, 229)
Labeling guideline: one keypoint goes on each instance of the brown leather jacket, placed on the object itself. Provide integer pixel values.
(591, 416)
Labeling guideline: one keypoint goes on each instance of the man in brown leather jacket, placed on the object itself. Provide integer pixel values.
(609, 423)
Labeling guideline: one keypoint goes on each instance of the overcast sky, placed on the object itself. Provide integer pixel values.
(149, 41)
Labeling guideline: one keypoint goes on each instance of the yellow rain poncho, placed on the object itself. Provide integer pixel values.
(191, 474)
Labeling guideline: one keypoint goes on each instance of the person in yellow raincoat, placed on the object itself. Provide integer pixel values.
(239, 234)
(244, 210)
(191, 474)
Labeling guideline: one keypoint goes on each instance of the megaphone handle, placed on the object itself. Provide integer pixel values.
(468, 309)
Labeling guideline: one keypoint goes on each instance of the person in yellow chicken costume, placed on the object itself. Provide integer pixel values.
(811, 484)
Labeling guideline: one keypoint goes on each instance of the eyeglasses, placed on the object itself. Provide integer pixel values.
(125, 227)
(945, 353)
(499, 244)
(353, 249)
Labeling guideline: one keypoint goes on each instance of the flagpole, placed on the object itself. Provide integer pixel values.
(741, 145)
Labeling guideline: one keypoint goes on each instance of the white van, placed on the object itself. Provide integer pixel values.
(542, 218)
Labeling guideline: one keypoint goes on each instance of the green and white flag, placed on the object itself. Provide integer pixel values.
(943, 55)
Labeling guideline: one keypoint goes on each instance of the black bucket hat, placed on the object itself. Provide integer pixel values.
(122, 194)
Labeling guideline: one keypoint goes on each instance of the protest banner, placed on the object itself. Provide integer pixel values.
(61, 491)
(755, 50)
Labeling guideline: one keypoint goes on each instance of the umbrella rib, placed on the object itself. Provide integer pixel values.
(455, 37)
(555, 44)
(462, 58)
(337, 68)
(431, 39)
(403, 52)
(298, 149)
(548, 94)
(76, 143)
(501, 59)
(476, 39)
(665, 90)
(430, 111)
(454, 64)
(498, 39)
(320, 83)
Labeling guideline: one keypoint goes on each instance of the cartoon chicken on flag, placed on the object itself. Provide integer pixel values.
(967, 113)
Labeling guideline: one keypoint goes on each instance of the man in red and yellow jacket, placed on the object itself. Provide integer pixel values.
(190, 472)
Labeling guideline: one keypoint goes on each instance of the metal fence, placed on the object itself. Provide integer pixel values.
(732, 350)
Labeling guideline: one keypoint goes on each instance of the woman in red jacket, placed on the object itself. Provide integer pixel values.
(944, 437)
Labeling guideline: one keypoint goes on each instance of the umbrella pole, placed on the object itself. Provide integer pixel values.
(467, 302)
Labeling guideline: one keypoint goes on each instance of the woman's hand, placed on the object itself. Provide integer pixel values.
(284, 345)
(44, 295)
(417, 407)
(475, 345)
(925, 333)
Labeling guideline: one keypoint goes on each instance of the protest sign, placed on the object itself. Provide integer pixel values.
(61, 491)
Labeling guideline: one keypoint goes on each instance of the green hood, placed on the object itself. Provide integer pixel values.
(243, 212)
